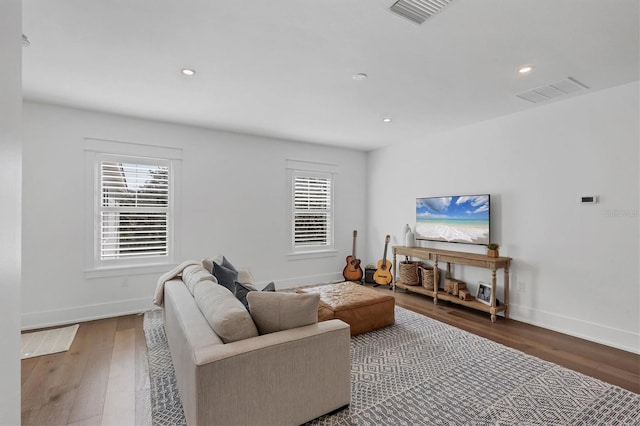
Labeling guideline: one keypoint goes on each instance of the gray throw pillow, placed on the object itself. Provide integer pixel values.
(270, 287)
(242, 289)
(277, 311)
(225, 273)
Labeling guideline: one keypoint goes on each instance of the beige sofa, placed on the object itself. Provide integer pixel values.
(282, 378)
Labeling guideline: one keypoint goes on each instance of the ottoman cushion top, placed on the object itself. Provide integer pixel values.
(363, 308)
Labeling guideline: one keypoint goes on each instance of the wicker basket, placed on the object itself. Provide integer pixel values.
(427, 277)
(409, 273)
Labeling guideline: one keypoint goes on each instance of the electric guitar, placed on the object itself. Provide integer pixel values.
(353, 271)
(382, 276)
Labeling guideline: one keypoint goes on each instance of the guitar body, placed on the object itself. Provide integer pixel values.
(383, 276)
(353, 271)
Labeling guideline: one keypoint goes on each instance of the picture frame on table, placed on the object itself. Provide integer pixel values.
(484, 293)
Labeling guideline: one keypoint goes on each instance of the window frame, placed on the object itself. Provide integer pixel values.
(296, 169)
(97, 151)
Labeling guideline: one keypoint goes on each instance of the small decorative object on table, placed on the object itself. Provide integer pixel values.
(465, 295)
(409, 238)
(484, 293)
(492, 250)
(453, 286)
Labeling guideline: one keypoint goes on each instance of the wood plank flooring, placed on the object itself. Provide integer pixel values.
(103, 378)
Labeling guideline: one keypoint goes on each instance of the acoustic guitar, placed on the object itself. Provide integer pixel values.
(382, 276)
(353, 271)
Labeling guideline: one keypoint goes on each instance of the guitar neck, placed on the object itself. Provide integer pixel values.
(384, 256)
(353, 250)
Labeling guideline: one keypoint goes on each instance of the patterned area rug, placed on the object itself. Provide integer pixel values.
(166, 407)
(421, 371)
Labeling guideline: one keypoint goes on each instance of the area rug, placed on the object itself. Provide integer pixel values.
(421, 371)
(47, 341)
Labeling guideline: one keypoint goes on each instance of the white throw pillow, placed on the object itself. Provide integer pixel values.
(225, 314)
(274, 311)
(245, 276)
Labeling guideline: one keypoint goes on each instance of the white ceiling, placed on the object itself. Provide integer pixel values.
(284, 68)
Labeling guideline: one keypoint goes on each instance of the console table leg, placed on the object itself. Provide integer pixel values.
(506, 290)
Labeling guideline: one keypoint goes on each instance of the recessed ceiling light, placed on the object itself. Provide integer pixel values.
(387, 120)
(526, 69)
(360, 76)
(187, 71)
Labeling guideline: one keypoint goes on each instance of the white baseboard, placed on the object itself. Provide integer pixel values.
(306, 280)
(614, 337)
(598, 333)
(34, 320)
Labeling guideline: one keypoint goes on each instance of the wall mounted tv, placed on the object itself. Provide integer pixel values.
(455, 219)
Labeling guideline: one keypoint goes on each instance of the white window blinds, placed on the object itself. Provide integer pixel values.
(134, 209)
(312, 211)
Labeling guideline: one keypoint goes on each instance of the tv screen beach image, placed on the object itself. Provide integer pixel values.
(459, 219)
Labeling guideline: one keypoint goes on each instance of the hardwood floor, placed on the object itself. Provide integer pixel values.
(103, 378)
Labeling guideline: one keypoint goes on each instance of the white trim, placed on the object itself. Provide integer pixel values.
(94, 150)
(122, 271)
(317, 254)
(309, 168)
(35, 320)
(610, 336)
(132, 149)
(304, 281)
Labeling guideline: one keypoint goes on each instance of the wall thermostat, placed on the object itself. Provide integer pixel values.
(589, 199)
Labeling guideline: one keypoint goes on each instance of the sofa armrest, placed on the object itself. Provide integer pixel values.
(287, 377)
(213, 353)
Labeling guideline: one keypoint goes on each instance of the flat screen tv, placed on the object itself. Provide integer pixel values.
(455, 219)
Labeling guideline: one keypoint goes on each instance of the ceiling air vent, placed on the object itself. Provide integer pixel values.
(550, 91)
(418, 11)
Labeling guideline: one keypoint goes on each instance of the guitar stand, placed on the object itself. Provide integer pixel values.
(386, 285)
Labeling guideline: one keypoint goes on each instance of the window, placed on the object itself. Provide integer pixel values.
(312, 211)
(131, 196)
(134, 209)
(312, 207)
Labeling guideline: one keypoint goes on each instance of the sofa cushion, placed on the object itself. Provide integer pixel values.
(225, 273)
(275, 311)
(194, 274)
(225, 314)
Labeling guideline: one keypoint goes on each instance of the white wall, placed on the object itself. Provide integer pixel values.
(10, 210)
(575, 266)
(234, 202)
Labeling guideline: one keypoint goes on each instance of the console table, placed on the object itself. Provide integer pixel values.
(460, 258)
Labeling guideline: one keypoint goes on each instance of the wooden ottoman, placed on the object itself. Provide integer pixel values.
(364, 309)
